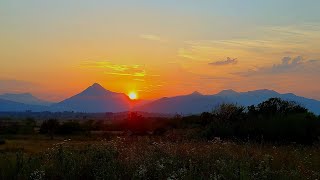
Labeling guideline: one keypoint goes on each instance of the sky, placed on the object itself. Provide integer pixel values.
(54, 49)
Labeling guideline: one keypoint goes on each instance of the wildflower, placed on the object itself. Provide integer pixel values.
(37, 175)
(142, 170)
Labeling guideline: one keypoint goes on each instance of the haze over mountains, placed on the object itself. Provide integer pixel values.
(25, 98)
(97, 99)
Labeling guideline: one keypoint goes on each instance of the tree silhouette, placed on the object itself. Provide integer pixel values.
(49, 127)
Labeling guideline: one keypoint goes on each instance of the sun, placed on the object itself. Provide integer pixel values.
(133, 95)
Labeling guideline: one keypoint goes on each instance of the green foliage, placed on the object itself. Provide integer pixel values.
(274, 120)
(18, 127)
(2, 141)
(70, 127)
(52, 127)
(49, 127)
(277, 106)
(142, 160)
(61, 163)
(229, 112)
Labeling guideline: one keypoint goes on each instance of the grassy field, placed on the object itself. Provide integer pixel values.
(275, 140)
(153, 157)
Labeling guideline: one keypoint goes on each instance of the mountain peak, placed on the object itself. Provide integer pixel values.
(227, 92)
(96, 85)
(264, 91)
(95, 89)
(196, 93)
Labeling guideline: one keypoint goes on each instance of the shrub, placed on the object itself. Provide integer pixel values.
(276, 106)
(70, 127)
(229, 112)
(49, 127)
(274, 120)
(2, 141)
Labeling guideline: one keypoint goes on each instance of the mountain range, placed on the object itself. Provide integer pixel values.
(97, 99)
(196, 103)
(25, 98)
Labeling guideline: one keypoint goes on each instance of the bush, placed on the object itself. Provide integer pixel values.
(229, 112)
(70, 127)
(274, 120)
(49, 127)
(2, 141)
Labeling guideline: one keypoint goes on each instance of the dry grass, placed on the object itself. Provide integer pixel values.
(164, 157)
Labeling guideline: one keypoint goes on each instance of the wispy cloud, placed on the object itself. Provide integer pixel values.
(116, 69)
(135, 74)
(142, 80)
(109, 65)
(228, 61)
(267, 42)
(287, 65)
(152, 37)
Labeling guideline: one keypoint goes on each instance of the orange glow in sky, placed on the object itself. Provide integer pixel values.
(159, 48)
(133, 95)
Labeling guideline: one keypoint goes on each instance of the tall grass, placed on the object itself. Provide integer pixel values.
(151, 158)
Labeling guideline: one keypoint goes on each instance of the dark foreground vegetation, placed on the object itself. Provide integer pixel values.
(147, 157)
(274, 140)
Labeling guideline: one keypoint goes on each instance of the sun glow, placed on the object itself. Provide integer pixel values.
(133, 95)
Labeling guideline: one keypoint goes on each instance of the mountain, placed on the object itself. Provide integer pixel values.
(187, 104)
(25, 98)
(95, 99)
(11, 106)
(196, 103)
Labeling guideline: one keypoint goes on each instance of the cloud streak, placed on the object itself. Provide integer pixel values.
(228, 61)
(116, 69)
(287, 65)
(107, 67)
(152, 37)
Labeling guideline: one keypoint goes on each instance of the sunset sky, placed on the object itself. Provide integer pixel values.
(55, 49)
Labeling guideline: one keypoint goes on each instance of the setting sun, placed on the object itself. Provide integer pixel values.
(133, 95)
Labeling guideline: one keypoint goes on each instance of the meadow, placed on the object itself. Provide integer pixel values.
(213, 145)
(154, 157)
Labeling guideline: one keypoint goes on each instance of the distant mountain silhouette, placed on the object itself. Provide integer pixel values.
(8, 106)
(197, 103)
(95, 99)
(25, 98)
(187, 104)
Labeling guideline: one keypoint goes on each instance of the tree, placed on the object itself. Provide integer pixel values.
(49, 127)
(276, 106)
(229, 112)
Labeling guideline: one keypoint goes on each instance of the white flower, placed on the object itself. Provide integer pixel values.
(37, 175)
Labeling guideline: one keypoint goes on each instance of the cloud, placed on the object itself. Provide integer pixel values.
(109, 65)
(265, 43)
(228, 61)
(117, 69)
(135, 74)
(152, 37)
(287, 65)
